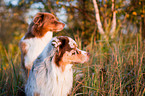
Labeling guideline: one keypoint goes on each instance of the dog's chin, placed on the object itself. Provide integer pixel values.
(57, 30)
(85, 60)
(74, 62)
(79, 62)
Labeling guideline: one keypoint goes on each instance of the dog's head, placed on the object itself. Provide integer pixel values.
(44, 22)
(67, 51)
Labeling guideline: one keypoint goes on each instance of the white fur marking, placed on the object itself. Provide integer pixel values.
(56, 42)
(72, 43)
(48, 79)
(54, 82)
(34, 47)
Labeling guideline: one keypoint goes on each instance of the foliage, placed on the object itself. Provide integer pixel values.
(79, 15)
(115, 68)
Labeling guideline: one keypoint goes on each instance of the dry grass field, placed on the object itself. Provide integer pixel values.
(116, 68)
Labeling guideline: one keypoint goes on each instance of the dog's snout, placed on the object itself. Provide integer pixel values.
(63, 24)
(88, 54)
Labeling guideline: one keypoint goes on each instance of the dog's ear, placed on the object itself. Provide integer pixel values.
(38, 23)
(56, 43)
(38, 19)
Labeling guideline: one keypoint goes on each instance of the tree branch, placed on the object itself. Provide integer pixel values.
(100, 28)
(113, 27)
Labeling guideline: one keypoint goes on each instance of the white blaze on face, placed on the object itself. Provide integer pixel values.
(56, 42)
(72, 43)
(70, 53)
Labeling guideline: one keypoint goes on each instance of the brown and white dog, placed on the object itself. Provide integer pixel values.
(51, 74)
(40, 32)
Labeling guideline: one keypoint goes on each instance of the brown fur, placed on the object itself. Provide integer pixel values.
(41, 24)
(23, 48)
(62, 49)
(23, 53)
(62, 58)
(36, 94)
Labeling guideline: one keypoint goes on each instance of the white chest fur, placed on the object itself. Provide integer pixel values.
(49, 80)
(34, 47)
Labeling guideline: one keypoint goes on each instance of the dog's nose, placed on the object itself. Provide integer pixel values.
(88, 54)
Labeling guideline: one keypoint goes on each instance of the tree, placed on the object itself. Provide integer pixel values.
(99, 24)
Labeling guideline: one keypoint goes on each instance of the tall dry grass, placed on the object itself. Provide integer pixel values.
(10, 70)
(116, 68)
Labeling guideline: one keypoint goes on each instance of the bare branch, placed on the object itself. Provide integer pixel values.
(100, 28)
(113, 27)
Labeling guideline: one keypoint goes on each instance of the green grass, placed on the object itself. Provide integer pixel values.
(10, 71)
(115, 68)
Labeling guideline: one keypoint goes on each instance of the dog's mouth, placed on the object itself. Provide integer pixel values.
(74, 62)
(78, 62)
(58, 28)
(81, 60)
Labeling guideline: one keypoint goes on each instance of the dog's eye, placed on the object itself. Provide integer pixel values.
(76, 52)
(52, 17)
(73, 53)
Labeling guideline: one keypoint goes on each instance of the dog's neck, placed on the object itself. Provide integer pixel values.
(59, 82)
(63, 65)
(35, 47)
(63, 79)
(47, 36)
